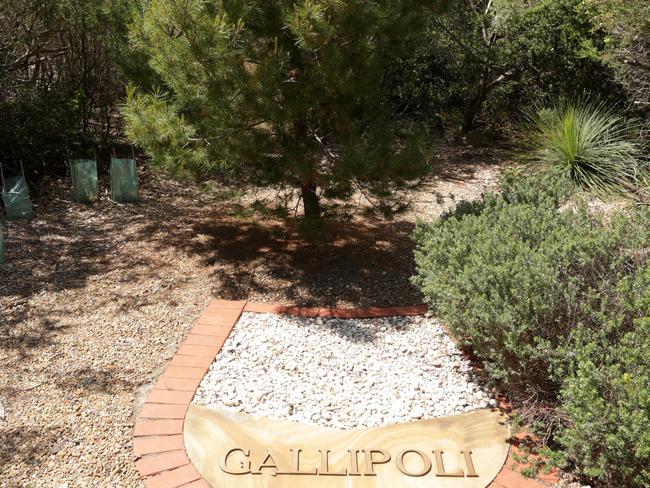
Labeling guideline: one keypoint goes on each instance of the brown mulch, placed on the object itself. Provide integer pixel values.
(95, 299)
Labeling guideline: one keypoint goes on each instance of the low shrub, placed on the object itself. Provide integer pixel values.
(554, 302)
(607, 403)
(514, 276)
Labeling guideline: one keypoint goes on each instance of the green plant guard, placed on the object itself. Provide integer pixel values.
(124, 180)
(84, 179)
(15, 196)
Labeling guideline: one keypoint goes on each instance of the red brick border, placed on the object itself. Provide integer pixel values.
(158, 445)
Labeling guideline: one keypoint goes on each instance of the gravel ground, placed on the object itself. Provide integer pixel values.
(341, 373)
(95, 299)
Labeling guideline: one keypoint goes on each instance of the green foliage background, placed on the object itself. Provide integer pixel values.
(62, 66)
(485, 60)
(474, 65)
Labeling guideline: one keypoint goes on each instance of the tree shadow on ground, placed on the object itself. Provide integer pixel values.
(253, 255)
(60, 250)
(361, 264)
(32, 447)
(95, 381)
(30, 339)
(63, 247)
(461, 163)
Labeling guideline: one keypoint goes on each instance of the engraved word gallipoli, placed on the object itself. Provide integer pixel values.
(411, 462)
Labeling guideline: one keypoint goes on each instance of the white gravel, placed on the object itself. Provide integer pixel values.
(341, 373)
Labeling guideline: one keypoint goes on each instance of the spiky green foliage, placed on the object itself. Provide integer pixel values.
(590, 144)
(290, 91)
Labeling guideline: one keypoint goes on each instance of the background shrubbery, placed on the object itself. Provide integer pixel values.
(64, 66)
(484, 60)
(552, 299)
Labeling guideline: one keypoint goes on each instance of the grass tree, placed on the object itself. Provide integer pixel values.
(589, 143)
(279, 91)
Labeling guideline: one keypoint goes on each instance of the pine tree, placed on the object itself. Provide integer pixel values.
(291, 91)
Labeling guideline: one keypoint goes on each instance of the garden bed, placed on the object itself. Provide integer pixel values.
(342, 373)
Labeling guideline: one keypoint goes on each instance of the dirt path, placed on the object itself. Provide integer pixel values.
(94, 301)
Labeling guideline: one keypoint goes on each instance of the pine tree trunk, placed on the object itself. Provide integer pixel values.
(311, 203)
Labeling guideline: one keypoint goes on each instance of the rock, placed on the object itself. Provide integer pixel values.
(342, 373)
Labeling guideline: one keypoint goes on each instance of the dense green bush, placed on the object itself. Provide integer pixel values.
(515, 276)
(555, 302)
(280, 92)
(607, 400)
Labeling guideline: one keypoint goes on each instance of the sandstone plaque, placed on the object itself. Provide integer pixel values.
(234, 450)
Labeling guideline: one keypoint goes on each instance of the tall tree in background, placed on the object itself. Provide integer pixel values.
(279, 91)
(628, 46)
(485, 59)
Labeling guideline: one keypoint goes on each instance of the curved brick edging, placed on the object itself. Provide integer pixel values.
(158, 444)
